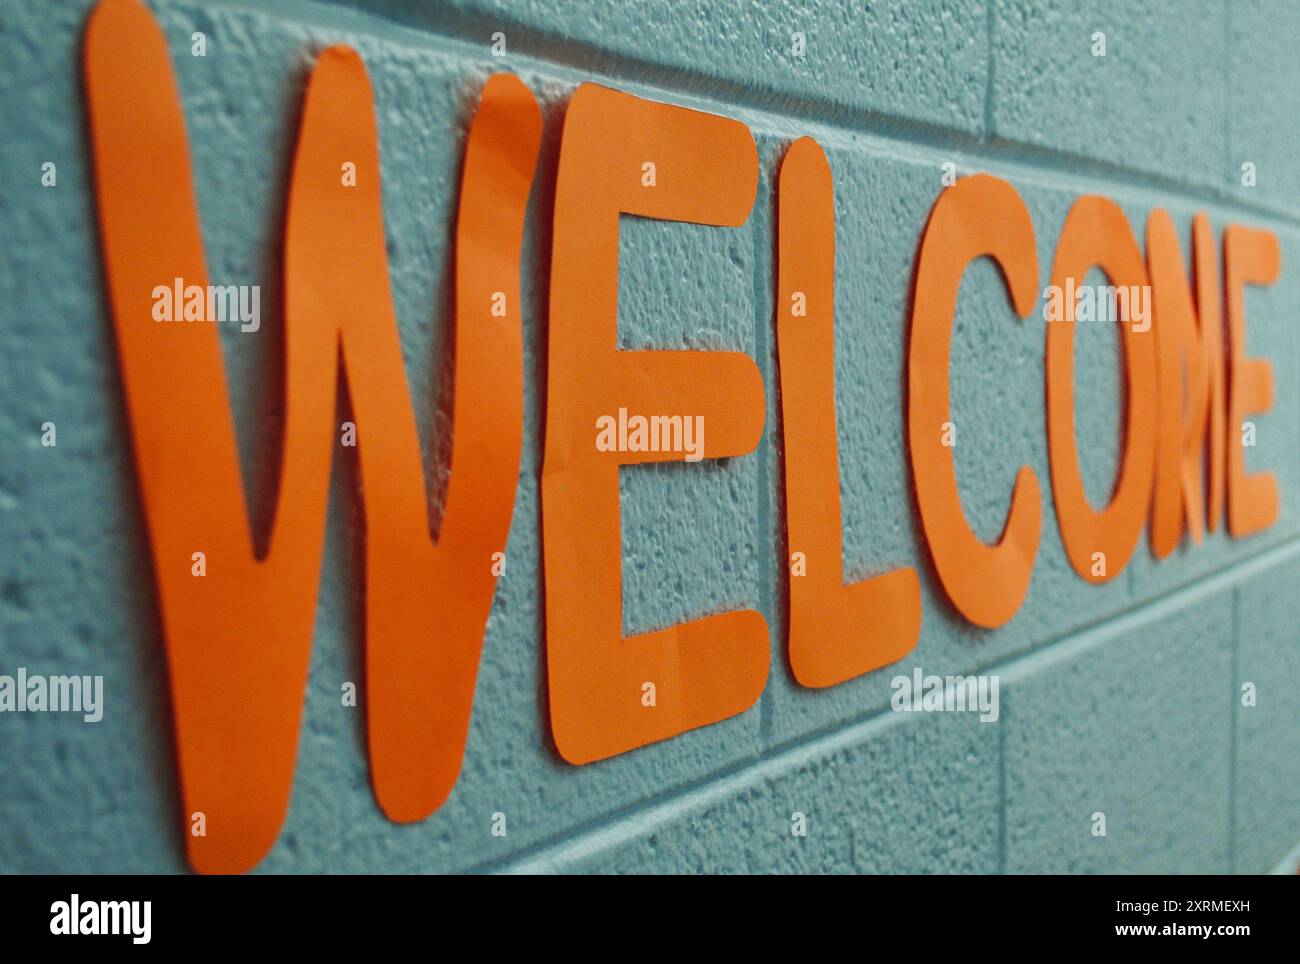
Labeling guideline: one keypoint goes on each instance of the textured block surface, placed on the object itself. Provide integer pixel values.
(1122, 698)
(1121, 83)
(1266, 793)
(1131, 722)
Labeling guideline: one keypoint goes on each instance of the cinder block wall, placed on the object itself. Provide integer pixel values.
(1122, 698)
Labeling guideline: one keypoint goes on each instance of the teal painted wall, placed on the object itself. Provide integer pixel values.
(1121, 698)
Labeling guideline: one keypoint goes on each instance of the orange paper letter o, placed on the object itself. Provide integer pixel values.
(1100, 543)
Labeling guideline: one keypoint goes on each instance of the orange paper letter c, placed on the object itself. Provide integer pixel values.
(980, 215)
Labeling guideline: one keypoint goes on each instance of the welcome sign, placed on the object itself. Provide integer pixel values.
(238, 625)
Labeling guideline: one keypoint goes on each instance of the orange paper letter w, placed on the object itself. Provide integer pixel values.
(238, 636)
